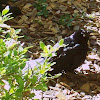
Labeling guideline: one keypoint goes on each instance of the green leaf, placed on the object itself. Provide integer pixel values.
(5, 11)
(17, 31)
(46, 49)
(20, 49)
(42, 71)
(33, 79)
(11, 91)
(15, 52)
(6, 53)
(2, 83)
(51, 64)
(61, 42)
(42, 45)
(21, 84)
(7, 96)
(32, 95)
(1, 41)
(42, 86)
(57, 75)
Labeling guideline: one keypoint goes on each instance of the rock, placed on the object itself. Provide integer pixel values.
(61, 96)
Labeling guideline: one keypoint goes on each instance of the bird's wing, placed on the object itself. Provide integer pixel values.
(63, 51)
(66, 50)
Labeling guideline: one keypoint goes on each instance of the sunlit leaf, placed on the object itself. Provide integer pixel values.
(17, 31)
(45, 49)
(61, 42)
(5, 11)
(42, 45)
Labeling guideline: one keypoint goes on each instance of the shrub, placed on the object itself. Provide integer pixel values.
(41, 7)
(14, 84)
(66, 20)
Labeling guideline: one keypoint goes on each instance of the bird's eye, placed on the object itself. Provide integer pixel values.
(84, 35)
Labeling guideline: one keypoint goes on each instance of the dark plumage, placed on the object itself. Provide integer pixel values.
(73, 54)
(69, 57)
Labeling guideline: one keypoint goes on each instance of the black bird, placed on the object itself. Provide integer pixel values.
(73, 54)
(69, 57)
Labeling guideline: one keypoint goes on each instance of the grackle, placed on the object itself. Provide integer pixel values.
(69, 57)
(73, 54)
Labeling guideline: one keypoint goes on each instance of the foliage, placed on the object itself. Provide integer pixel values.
(4, 16)
(41, 7)
(14, 84)
(66, 20)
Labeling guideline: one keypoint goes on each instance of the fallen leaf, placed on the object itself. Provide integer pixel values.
(27, 6)
(54, 30)
(85, 87)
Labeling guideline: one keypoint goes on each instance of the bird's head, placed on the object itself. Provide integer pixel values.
(81, 35)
